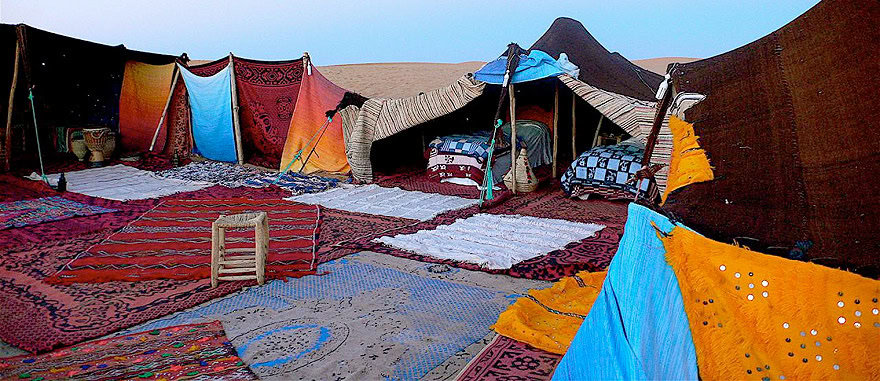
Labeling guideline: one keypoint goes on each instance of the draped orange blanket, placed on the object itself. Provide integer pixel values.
(759, 316)
(145, 89)
(548, 319)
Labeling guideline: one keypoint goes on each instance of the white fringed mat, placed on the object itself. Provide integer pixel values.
(123, 183)
(392, 202)
(493, 241)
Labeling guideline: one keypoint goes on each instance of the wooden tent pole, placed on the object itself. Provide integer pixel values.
(596, 134)
(8, 137)
(236, 127)
(513, 152)
(574, 152)
(555, 127)
(167, 105)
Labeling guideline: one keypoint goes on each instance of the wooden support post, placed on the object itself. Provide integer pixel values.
(574, 153)
(236, 127)
(513, 152)
(167, 105)
(555, 127)
(596, 134)
(7, 144)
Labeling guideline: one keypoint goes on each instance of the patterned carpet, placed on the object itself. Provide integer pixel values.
(507, 359)
(189, 351)
(17, 214)
(37, 316)
(371, 317)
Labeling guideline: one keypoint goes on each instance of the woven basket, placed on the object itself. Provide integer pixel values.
(525, 178)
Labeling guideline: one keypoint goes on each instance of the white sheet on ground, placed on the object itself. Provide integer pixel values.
(493, 241)
(393, 202)
(123, 183)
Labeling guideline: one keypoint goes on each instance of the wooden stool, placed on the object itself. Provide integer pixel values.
(239, 266)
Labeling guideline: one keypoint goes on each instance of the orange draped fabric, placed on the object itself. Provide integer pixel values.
(689, 163)
(548, 319)
(316, 95)
(755, 316)
(145, 90)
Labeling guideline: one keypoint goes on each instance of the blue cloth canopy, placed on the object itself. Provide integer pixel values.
(210, 99)
(536, 65)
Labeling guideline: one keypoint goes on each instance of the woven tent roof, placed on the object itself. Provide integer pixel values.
(599, 67)
(789, 123)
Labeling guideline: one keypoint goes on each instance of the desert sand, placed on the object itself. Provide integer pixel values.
(397, 79)
(406, 79)
(659, 64)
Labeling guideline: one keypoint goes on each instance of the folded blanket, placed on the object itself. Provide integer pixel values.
(548, 319)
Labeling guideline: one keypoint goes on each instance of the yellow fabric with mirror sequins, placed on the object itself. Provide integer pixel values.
(756, 316)
(548, 319)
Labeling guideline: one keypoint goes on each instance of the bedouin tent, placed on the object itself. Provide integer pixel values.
(611, 90)
(789, 124)
(75, 84)
(280, 105)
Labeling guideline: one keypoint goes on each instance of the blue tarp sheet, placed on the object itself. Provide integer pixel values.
(210, 99)
(637, 328)
(537, 65)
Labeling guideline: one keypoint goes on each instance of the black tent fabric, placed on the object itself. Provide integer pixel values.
(790, 125)
(598, 67)
(75, 83)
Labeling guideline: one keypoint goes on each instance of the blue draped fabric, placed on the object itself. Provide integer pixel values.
(536, 65)
(210, 99)
(637, 328)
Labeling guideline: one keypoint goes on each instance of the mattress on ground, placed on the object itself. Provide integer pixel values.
(461, 158)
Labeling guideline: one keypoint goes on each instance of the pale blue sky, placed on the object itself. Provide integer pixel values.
(336, 32)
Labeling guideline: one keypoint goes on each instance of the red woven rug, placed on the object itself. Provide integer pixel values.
(179, 352)
(173, 241)
(37, 316)
(507, 359)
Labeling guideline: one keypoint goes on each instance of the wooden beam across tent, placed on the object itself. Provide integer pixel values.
(574, 152)
(512, 98)
(236, 128)
(8, 137)
(555, 126)
(167, 105)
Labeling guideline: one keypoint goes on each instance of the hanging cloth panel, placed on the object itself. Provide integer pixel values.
(267, 95)
(210, 100)
(145, 89)
(316, 95)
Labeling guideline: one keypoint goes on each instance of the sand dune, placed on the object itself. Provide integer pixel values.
(405, 79)
(397, 79)
(659, 64)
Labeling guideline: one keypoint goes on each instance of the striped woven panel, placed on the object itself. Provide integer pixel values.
(636, 117)
(173, 241)
(381, 118)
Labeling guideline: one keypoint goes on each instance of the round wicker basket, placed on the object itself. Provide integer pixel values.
(525, 178)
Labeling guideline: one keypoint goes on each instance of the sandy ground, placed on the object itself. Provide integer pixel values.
(659, 64)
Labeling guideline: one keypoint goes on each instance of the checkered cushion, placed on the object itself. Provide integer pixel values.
(606, 166)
